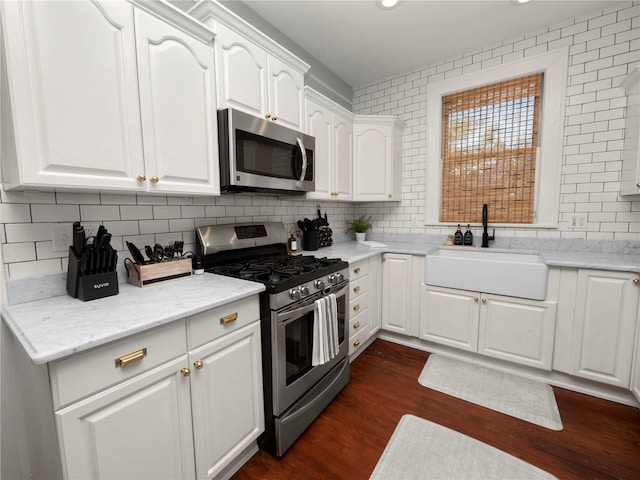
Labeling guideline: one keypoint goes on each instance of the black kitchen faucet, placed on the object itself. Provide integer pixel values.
(485, 234)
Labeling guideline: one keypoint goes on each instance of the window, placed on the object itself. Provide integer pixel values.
(489, 142)
(506, 152)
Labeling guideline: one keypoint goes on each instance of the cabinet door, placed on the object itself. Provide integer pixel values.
(319, 125)
(227, 399)
(178, 107)
(343, 157)
(373, 147)
(241, 72)
(286, 87)
(516, 330)
(605, 321)
(450, 317)
(78, 122)
(138, 429)
(396, 293)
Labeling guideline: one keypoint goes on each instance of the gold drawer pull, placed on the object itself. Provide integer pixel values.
(356, 289)
(232, 317)
(636, 281)
(185, 372)
(356, 307)
(356, 325)
(475, 299)
(484, 300)
(198, 364)
(356, 343)
(130, 358)
(154, 179)
(356, 270)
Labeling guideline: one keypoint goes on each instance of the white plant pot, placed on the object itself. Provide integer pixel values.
(361, 236)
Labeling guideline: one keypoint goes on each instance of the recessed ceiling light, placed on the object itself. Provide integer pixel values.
(387, 4)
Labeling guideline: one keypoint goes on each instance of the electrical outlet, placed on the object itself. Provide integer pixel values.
(579, 221)
(90, 229)
(62, 236)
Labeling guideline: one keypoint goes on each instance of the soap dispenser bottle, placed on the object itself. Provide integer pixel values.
(468, 237)
(457, 237)
(292, 243)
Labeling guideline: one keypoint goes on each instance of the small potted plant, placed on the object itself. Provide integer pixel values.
(359, 226)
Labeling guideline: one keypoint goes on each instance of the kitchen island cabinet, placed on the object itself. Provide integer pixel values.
(127, 130)
(332, 127)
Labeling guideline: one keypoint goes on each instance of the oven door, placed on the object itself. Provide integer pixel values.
(292, 339)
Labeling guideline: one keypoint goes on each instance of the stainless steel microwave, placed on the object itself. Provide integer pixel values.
(258, 155)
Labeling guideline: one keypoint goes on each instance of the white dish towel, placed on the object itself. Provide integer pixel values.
(325, 330)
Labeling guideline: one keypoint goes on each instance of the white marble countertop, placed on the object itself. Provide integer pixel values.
(353, 252)
(56, 327)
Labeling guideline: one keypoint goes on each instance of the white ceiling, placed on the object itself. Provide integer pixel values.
(361, 43)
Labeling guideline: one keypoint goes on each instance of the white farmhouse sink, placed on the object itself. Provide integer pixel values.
(514, 274)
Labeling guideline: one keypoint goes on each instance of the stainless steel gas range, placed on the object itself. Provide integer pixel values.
(295, 390)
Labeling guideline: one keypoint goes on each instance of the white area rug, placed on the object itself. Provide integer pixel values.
(503, 392)
(423, 450)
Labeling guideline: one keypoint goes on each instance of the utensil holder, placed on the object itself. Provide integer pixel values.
(154, 273)
(310, 240)
(89, 287)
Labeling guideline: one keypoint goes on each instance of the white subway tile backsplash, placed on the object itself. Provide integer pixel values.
(136, 212)
(28, 232)
(93, 213)
(18, 252)
(15, 213)
(36, 268)
(153, 226)
(55, 213)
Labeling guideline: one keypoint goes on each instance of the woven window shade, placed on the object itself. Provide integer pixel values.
(489, 142)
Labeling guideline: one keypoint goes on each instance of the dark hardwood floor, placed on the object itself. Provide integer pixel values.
(600, 439)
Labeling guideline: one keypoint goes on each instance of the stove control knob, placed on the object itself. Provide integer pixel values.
(332, 278)
(339, 277)
(304, 291)
(319, 284)
(294, 293)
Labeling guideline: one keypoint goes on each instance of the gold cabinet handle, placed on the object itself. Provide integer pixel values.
(334, 194)
(356, 325)
(198, 364)
(636, 281)
(484, 300)
(185, 372)
(141, 178)
(475, 299)
(130, 358)
(356, 270)
(154, 179)
(356, 289)
(356, 307)
(638, 184)
(390, 196)
(356, 343)
(232, 317)
(274, 118)
(267, 115)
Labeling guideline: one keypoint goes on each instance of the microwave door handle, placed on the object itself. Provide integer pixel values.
(304, 163)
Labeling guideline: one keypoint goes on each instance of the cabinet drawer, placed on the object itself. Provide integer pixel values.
(358, 269)
(357, 341)
(358, 304)
(359, 322)
(96, 369)
(215, 323)
(359, 287)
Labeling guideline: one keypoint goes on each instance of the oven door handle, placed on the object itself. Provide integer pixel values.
(298, 312)
(304, 163)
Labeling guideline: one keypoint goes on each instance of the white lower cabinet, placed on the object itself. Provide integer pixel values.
(604, 325)
(139, 429)
(180, 401)
(511, 329)
(401, 276)
(364, 302)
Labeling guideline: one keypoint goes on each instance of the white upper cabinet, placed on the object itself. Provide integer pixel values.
(73, 95)
(377, 158)
(101, 78)
(254, 73)
(178, 105)
(332, 127)
(630, 180)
